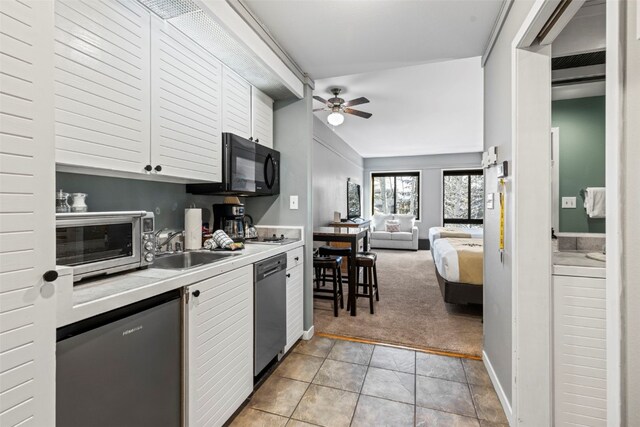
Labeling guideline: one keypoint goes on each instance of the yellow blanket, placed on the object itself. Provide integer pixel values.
(469, 259)
(453, 232)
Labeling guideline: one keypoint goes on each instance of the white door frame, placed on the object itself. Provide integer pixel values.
(555, 179)
(532, 253)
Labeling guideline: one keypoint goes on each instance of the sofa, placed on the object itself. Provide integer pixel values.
(405, 238)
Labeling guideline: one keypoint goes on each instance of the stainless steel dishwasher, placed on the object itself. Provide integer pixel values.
(270, 310)
(122, 368)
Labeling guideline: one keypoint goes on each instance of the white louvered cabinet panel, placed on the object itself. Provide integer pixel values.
(236, 104)
(27, 246)
(220, 347)
(186, 106)
(102, 74)
(295, 301)
(579, 351)
(261, 118)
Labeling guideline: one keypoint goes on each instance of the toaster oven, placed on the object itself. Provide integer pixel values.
(95, 243)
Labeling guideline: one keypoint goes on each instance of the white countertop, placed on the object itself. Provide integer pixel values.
(576, 263)
(92, 297)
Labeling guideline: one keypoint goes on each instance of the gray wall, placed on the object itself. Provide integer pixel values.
(630, 224)
(497, 131)
(166, 200)
(430, 185)
(293, 137)
(333, 162)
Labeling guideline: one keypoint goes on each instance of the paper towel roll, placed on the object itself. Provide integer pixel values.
(192, 228)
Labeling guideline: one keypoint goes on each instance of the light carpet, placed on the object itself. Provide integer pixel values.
(411, 311)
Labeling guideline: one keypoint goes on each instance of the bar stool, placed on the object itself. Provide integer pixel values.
(367, 261)
(333, 263)
(345, 253)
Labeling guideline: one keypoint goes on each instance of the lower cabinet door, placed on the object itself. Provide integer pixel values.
(295, 301)
(219, 347)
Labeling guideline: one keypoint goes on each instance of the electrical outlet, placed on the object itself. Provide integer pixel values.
(293, 202)
(568, 203)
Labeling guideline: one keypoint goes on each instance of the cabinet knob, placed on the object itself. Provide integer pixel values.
(250, 138)
(297, 258)
(288, 274)
(148, 168)
(158, 168)
(50, 276)
(196, 293)
(257, 140)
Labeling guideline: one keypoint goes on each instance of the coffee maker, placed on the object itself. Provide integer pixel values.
(229, 217)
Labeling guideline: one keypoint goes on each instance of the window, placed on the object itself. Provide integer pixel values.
(396, 193)
(463, 197)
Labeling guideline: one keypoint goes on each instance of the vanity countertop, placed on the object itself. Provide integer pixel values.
(576, 263)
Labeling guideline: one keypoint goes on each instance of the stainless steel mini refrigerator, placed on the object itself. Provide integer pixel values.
(122, 368)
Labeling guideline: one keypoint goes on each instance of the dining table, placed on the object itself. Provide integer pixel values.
(351, 235)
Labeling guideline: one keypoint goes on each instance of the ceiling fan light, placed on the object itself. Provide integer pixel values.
(335, 119)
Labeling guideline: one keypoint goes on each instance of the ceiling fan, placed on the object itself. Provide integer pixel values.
(339, 106)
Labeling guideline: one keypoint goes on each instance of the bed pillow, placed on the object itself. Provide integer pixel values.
(406, 221)
(378, 221)
(392, 225)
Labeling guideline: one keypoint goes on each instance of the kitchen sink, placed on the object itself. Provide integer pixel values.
(188, 260)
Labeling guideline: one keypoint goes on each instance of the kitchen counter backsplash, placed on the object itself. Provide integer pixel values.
(166, 200)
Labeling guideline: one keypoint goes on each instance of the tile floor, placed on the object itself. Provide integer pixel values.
(336, 383)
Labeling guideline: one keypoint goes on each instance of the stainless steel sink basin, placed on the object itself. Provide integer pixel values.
(188, 260)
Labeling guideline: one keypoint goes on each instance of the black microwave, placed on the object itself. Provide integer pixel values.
(248, 169)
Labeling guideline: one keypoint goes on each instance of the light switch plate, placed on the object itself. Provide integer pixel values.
(293, 202)
(489, 200)
(568, 203)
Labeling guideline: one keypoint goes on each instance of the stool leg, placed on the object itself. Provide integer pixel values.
(370, 286)
(340, 288)
(335, 294)
(375, 281)
(317, 278)
(365, 271)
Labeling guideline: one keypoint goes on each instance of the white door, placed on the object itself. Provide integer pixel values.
(295, 301)
(186, 106)
(236, 104)
(102, 84)
(27, 245)
(219, 323)
(579, 362)
(261, 118)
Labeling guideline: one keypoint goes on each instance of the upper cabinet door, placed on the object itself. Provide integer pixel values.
(102, 74)
(186, 106)
(261, 118)
(27, 221)
(236, 104)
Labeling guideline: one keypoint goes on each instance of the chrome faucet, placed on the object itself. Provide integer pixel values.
(168, 240)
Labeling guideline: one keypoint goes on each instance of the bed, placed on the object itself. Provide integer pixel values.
(459, 268)
(436, 233)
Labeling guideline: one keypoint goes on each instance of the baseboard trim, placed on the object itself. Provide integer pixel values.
(498, 387)
(404, 347)
(308, 334)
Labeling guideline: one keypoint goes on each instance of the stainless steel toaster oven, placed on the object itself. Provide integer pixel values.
(95, 243)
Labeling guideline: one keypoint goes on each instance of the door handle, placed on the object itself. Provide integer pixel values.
(50, 276)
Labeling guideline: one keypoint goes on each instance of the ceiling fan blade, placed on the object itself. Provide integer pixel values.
(324, 101)
(319, 109)
(357, 101)
(358, 113)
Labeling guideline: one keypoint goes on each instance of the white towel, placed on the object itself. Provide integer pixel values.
(594, 202)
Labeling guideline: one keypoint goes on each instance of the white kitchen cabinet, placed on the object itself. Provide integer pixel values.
(186, 106)
(27, 246)
(102, 84)
(261, 118)
(236, 101)
(219, 331)
(295, 298)
(579, 351)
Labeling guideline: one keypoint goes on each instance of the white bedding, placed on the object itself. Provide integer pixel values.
(435, 233)
(445, 258)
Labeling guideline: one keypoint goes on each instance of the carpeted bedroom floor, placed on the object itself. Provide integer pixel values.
(411, 311)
